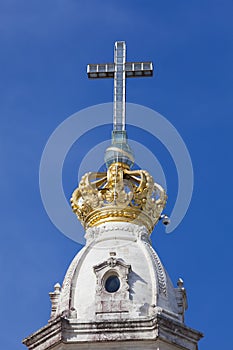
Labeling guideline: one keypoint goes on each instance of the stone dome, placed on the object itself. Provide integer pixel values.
(118, 275)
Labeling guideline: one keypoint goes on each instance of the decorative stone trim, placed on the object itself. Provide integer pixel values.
(118, 301)
(159, 269)
(54, 298)
(135, 231)
(181, 298)
(64, 305)
(158, 329)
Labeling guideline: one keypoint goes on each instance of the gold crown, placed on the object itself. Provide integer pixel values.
(119, 195)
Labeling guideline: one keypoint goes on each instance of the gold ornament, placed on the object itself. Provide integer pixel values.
(120, 195)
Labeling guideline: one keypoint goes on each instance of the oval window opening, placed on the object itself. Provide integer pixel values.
(112, 284)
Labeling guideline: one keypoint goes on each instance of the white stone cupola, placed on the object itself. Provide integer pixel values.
(116, 293)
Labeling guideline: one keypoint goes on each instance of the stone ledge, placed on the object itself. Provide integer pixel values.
(157, 328)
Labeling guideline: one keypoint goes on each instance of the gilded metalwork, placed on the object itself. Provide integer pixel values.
(119, 194)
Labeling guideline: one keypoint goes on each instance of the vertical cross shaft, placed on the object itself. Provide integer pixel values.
(119, 87)
(119, 70)
(120, 150)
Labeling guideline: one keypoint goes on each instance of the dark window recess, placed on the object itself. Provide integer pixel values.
(112, 284)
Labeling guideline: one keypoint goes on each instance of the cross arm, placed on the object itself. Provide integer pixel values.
(97, 71)
(132, 69)
(138, 69)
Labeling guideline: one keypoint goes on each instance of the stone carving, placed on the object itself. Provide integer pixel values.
(66, 286)
(112, 302)
(54, 298)
(159, 270)
(181, 297)
(139, 232)
(73, 313)
(142, 234)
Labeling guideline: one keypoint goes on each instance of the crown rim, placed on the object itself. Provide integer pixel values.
(120, 195)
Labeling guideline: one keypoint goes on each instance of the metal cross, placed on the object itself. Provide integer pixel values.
(119, 70)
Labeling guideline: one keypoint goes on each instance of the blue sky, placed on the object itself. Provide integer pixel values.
(45, 46)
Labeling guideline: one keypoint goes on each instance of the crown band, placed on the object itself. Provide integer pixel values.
(118, 195)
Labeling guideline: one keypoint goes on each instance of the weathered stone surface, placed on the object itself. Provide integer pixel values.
(144, 312)
(158, 332)
(148, 282)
